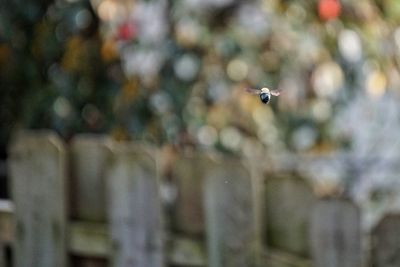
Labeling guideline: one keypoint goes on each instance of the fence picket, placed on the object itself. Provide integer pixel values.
(6, 229)
(89, 157)
(38, 177)
(335, 234)
(230, 213)
(2, 254)
(117, 215)
(188, 211)
(289, 202)
(386, 242)
(134, 208)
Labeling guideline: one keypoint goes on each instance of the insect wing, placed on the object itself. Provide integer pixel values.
(253, 91)
(275, 92)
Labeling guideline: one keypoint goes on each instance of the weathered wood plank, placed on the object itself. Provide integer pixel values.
(38, 177)
(2, 254)
(335, 234)
(88, 239)
(84, 238)
(187, 252)
(77, 261)
(188, 173)
(6, 228)
(89, 156)
(6, 222)
(278, 258)
(386, 242)
(289, 203)
(134, 208)
(230, 214)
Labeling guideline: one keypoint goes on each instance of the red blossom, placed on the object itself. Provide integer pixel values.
(126, 31)
(329, 9)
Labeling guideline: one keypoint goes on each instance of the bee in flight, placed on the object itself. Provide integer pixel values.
(265, 93)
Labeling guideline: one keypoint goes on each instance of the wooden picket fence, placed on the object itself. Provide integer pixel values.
(97, 202)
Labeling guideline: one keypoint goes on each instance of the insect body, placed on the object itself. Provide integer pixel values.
(265, 93)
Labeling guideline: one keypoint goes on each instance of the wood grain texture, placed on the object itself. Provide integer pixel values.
(89, 159)
(188, 173)
(134, 208)
(88, 239)
(2, 254)
(78, 261)
(288, 202)
(229, 210)
(186, 252)
(6, 222)
(38, 177)
(336, 234)
(386, 242)
(6, 229)
(278, 258)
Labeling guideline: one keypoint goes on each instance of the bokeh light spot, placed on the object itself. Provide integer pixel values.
(207, 135)
(108, 10)
(187, 67)
(62, 107)
(83, 19)
(231, 138)
(327, 79)
(329, 9)
(237, 70)
(350, 45)
(376, 84)
(321, 110)
(304, 138)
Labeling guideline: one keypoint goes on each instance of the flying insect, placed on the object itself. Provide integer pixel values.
(264, 93)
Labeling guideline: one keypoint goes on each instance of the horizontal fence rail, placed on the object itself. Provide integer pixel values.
(98, 202)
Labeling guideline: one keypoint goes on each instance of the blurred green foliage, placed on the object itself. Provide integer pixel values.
(50, 65)
(173, 71)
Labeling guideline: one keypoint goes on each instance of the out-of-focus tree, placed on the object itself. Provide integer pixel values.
(191, 59)
(174, 72)
(52, 72)
(335, 61)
